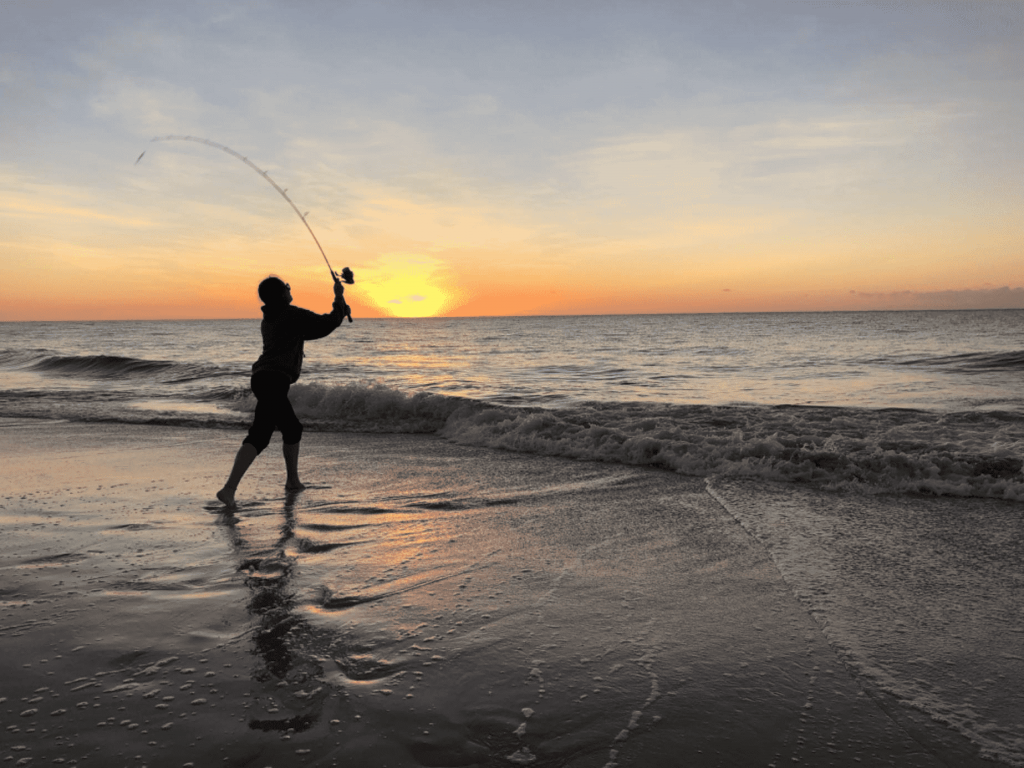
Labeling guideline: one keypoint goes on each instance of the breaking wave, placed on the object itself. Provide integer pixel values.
(972, 362)
(877, 451)
(108, 367)
(114, 367)
(975, 453)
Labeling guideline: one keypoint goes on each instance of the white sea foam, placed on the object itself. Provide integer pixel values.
(830, 448)
(373, 407)
(888, 451)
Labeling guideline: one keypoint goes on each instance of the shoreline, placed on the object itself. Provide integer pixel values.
(421, 603)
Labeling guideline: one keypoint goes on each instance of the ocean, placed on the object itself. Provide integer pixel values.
(927, 402)
(572, 475)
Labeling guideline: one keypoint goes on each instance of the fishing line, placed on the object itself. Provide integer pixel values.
(345, 275)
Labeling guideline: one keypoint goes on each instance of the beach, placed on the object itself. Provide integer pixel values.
(421, 603)
(657, 367)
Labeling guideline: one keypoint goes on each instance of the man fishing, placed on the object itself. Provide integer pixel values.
(284, 328)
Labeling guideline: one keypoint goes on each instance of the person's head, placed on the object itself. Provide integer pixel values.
(275, 292)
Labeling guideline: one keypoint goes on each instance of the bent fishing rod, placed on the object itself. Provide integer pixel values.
(345, 276)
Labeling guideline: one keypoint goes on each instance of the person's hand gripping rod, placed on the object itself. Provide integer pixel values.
(346, 277)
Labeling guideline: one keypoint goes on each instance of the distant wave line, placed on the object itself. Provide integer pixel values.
(969, 361)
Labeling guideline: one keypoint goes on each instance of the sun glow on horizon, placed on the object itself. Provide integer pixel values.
(410, 285)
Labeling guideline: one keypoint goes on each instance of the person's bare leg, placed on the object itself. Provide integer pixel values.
(291, 465)
(243, 460)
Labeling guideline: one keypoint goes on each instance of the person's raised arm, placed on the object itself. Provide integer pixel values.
(341, 309)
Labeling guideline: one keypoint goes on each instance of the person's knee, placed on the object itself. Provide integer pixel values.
(292, 434)
(259, 442)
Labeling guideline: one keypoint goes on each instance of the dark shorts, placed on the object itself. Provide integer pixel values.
(273, 411)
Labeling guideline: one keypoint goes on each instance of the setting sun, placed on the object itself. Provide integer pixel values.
(409, 285)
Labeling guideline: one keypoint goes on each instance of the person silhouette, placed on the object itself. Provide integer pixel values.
(284, 329)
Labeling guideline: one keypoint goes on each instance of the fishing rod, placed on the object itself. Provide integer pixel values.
(344, 276)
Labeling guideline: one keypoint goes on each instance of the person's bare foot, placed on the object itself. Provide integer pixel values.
(294, 486)
(226, 496)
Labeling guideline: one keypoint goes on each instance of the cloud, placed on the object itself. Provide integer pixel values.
(967, 298)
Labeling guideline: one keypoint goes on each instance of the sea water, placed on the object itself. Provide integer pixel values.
(875, 401)
(876, 456)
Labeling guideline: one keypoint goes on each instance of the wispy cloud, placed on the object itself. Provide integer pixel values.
(968, 298)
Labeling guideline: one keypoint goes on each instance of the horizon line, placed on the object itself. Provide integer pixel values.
(488, 317)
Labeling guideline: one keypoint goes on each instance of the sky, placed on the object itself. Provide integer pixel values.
(511, 157)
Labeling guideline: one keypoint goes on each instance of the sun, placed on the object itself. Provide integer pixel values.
(410, 285)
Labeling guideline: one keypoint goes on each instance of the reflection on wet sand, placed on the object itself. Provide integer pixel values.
(286, 678)
(427, 604)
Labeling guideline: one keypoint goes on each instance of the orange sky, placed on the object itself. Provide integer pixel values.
(643, 158)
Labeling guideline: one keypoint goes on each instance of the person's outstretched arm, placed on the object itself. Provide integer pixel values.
(316, 326)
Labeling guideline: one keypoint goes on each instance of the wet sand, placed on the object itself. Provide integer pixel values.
(420, 604)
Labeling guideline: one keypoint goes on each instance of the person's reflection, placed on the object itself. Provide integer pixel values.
(290, 680)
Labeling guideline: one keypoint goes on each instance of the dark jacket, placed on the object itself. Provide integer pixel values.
(284, 330)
